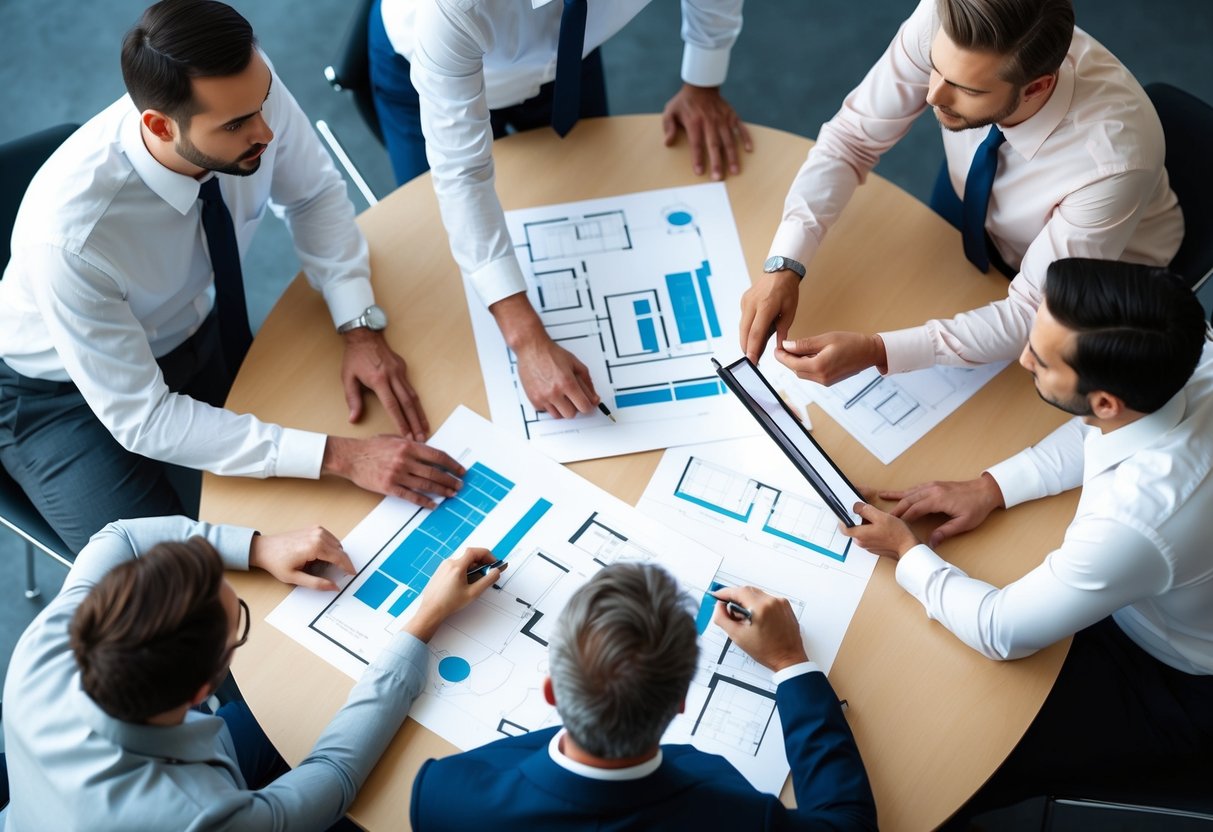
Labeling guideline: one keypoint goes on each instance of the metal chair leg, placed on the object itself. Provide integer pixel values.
(31, 581)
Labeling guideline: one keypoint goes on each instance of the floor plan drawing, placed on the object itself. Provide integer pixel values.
(888, 414)
(488, 662)
(645, 290)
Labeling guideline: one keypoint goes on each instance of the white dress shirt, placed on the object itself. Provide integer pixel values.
(470, 56)
(1137, 549)
(110, 270)
(1083, 177)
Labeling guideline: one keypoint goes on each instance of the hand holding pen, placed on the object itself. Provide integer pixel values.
(762, 625)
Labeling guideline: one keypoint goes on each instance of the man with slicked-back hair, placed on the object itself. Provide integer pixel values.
(621, 658)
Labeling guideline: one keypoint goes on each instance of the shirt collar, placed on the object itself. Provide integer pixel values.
(630, 773)
(1104, 450)
(539, 4)
(177, 189)
(1027, 136)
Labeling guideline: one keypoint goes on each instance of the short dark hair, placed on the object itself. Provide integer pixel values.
(153, 631)
(1140, 330)
(176, 41)
(622, 656)
(1034, 35)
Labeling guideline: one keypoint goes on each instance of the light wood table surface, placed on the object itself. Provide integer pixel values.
(933, 718)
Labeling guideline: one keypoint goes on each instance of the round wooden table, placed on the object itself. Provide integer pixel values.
(933, 718)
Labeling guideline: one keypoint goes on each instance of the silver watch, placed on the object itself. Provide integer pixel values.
(373, 319)
(778, 264)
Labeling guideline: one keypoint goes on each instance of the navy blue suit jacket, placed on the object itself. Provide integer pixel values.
(514, 784)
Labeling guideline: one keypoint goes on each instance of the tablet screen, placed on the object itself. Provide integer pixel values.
(764, 403)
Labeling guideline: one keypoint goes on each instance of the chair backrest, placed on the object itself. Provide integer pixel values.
(352, 69)
(19, 161)
(1187, 123)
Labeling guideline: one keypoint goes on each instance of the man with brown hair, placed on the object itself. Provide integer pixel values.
(100, 728)
(1052, 151)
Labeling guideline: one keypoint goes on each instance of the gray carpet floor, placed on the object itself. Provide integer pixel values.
(791, 68)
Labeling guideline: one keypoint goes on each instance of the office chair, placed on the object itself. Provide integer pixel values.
(352, 73)
(19, 161)
(1187, 123)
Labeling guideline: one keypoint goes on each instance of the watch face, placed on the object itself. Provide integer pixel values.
(375, 318)
(773, 264)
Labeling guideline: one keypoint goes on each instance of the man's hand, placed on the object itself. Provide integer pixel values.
(369, 362)
(967, 504)
(768, 306)
(881, 533)
(394, 466)
(772, 637)
(554, 380)
(292, 556)
(448, 591)
(832, 356)
(711, 124)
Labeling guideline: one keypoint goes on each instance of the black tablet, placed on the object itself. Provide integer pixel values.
(765, 405)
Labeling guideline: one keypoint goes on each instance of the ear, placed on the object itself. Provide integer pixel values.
(549, 694)
(159, 125)
(682, 706)
(203, 694)
(1105, 406)
(1041, 86)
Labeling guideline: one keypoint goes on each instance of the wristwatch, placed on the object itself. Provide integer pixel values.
(778, 264)
(373, 319)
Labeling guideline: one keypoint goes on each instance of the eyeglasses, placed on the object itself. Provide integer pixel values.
(248, 623)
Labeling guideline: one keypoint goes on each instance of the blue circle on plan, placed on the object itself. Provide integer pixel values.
(679, 218)
(454, 669)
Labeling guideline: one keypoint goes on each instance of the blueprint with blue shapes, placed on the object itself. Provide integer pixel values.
(644, 289)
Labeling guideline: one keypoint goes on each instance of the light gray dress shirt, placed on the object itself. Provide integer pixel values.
(110, 271)
(1137, 549)
(73, 767)
(470, 56)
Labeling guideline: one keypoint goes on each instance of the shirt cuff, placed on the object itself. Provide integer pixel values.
(792, 241)
(348, 298)
(702, 67)
(404, 651)
(1018, 479)
(497, 280)
(300, 454)
(915, 568)
(908, 349)
(794, 670)
(232, 543)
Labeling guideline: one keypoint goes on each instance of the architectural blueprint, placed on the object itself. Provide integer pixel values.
(644, 289)
(887, 414)
(746, 501)
(555, 530)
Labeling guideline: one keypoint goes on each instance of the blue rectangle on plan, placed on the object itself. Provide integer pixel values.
(641, 307)
(643, 397)
(507, 544)
(698, 391)
(685, 305)
(709, 306)
(375, 590)
(648, 334)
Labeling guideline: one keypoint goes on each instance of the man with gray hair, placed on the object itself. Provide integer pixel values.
(621, 659)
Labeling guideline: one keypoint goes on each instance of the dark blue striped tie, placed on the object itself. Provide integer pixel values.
(566, 98)
(977, 198)
(235, 336)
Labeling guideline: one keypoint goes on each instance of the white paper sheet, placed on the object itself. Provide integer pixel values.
(887, 414)
(488, 662)
(644, 289)
(746, 501)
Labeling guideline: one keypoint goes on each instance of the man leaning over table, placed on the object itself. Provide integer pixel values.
(1126, 349)
(1052, 150)
(101, 727)
(621, 658)
(449, 76)
(122, 314)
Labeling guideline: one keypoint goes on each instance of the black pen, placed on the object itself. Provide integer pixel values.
(734, 610)
(606, 411)
(478, 572)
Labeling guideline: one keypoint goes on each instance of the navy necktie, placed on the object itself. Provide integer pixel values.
(977, 198)
(235, 337)
(566, 98)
